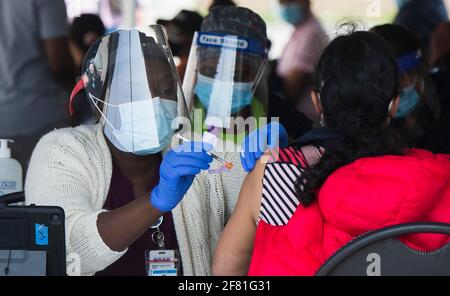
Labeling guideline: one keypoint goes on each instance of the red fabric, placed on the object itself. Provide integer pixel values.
(78, 87)
(369, 194)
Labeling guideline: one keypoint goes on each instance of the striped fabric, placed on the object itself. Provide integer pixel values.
(279, 201)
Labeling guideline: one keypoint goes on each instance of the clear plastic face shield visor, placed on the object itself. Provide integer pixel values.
(222, 77)
(131, 81)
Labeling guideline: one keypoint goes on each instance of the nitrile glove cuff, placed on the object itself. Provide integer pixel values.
(256, 142)
(159, 202)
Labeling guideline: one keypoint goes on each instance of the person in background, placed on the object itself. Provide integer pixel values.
(227, 82)
(303, 203)
(85, 30)
(36, 71)
(215, 3)
(420, 105)
(440, 74)
(119, 192)
(296, 65)
(421, 17)
(180, 32)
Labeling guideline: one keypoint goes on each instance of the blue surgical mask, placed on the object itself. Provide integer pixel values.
(242, 93)
(292, 13)
(409, 99)
(242, 96)
(165, 112)
(136, 134)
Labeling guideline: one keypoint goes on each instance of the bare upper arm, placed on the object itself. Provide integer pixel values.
(251, 191)
(234, 251)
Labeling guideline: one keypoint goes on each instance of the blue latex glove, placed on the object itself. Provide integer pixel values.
(177, 172)
(258, 141)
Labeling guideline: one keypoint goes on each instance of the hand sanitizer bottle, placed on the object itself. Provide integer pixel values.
(10, 170)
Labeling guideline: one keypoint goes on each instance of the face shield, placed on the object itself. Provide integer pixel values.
(131, 81)
(224, 78)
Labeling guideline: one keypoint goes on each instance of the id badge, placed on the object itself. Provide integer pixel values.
(162, 262)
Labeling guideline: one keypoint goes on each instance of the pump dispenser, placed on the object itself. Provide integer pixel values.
(10, 170)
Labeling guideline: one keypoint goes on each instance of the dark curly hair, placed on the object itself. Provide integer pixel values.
(356, 80)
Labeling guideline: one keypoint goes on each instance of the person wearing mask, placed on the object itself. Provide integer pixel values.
(302, 203)
(180, 31)
(420, 105)
(226, 90)
(421, 17)
(296, 65)
(36, 70)
(118, 191)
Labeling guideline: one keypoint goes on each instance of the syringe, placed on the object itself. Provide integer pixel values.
(225, 163)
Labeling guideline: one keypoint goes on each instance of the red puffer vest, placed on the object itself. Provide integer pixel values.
(368, 194)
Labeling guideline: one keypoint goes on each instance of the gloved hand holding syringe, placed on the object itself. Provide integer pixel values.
(228, 165)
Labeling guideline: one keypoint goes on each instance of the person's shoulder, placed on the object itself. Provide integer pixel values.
(62, 134)
(78, 140)
(311, 25)
(303, 157)
(280, 170)
(309, 35)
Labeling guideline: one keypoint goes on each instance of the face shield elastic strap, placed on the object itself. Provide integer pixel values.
(95, 101)
(78, 87)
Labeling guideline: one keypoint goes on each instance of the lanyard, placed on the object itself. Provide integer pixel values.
(158, 235)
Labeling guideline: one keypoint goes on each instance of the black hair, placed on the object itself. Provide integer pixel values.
(356, 79)
(402, 41)
(221, 3)
(84, 24)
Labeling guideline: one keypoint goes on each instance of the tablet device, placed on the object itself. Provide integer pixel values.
(31, 236)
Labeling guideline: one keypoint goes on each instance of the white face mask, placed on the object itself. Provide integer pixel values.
(145, 126)
(166, 111)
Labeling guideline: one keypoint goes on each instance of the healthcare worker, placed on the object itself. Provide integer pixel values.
(225, 87)
(115, 186)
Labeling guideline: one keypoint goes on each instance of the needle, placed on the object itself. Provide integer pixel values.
(225, 163)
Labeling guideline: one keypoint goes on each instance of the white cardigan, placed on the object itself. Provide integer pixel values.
(72, 168)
